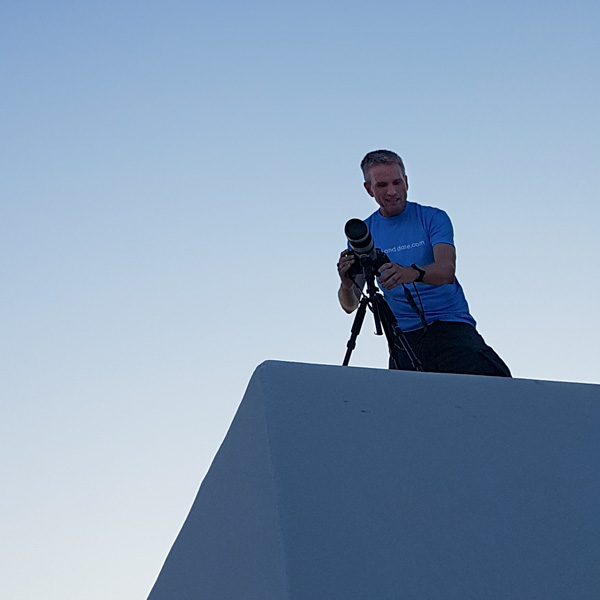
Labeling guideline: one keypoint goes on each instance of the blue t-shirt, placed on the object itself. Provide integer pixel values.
(409, 238)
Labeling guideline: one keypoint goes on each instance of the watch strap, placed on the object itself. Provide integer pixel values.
(420, 271)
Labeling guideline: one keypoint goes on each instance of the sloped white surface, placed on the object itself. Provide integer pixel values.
(351, 483)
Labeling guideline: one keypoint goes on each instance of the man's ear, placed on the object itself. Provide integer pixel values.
(368, 188)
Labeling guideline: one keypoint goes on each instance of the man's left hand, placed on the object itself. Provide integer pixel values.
(393, 275)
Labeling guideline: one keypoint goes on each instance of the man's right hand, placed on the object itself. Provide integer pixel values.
(350, 290)
(346, 260)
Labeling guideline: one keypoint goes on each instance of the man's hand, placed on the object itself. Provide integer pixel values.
(344, 263)
(349, 292)
(393, 275)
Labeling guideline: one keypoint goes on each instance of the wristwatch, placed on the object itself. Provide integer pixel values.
(420, 271)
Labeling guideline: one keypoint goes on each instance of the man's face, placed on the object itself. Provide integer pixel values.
(389, 187)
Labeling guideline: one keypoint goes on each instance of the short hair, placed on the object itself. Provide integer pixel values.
(380, 157)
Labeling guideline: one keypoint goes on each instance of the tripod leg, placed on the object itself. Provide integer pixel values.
(397, 342)
(356, 326)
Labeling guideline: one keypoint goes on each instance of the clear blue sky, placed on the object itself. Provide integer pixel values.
(175, 180)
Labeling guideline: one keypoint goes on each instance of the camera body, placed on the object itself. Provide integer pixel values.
(362, 262)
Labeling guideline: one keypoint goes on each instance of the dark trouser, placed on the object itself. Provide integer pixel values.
(452, 348)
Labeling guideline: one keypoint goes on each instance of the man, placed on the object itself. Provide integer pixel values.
(419, 242)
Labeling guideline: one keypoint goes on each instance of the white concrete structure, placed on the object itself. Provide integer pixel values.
(366, 484)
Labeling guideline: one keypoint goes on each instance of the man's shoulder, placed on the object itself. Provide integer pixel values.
(371, 218)
(425, 209)
(432, 216)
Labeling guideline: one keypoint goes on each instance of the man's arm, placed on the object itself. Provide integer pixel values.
(349, 292)
(442, 270)
(439, 272)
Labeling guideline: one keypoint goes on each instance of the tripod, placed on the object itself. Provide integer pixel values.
(384, 317)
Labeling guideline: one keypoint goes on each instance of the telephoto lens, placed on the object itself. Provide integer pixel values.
(359, 238)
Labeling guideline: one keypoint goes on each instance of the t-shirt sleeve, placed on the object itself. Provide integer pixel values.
(440, 228)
